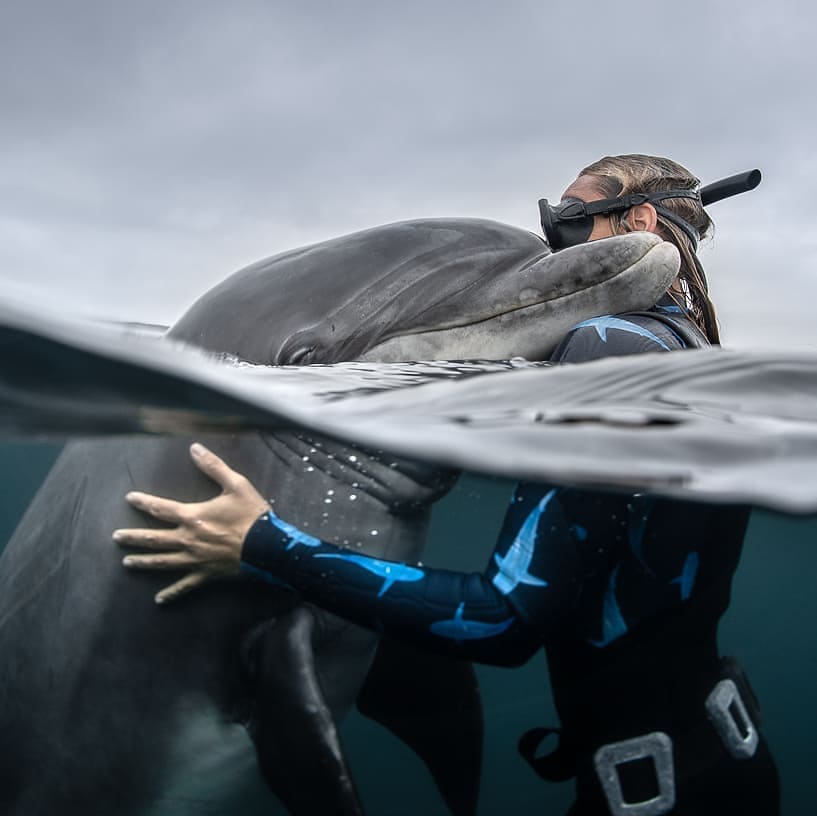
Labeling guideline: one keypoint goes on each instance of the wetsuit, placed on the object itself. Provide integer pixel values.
(623, 591)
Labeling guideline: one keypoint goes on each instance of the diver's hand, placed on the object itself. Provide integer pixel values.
(208, 536)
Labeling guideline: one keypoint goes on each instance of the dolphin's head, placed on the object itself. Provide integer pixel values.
(525, 312)
(422, 290)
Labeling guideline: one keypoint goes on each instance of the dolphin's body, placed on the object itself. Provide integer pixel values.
(99, 687)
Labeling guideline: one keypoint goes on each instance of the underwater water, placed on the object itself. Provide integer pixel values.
(770, 626)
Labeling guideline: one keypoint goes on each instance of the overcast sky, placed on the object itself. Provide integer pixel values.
(149, 148)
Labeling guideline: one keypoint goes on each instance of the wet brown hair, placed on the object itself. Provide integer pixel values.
(638, 173)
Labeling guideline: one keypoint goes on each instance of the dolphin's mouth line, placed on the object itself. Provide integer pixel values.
(516, 309)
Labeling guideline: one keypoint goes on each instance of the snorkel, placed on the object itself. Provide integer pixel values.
(571, 222)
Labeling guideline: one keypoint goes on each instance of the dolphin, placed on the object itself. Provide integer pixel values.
(101, 692)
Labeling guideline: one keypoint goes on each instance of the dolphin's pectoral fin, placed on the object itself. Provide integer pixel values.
(295, 735)
(431, 703)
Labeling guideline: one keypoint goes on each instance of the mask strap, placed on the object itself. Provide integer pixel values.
(621, 204)
(679, 222)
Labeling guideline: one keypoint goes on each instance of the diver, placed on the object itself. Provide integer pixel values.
(623, 591)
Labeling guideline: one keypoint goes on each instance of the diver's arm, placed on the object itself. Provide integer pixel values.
(454, 613)
(500, 616)
(469, 616)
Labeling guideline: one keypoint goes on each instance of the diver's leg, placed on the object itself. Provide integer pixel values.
(431, 703)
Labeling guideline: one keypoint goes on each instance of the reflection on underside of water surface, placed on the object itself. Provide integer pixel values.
(213, 770)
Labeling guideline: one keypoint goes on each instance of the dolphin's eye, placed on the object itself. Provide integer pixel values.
(300, 356)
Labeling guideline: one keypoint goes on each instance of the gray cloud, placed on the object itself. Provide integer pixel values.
(149, 149)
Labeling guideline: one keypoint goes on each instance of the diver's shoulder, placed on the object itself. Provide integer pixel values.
(622, 334)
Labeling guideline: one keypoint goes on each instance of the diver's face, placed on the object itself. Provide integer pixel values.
(584, 189)
(641, 217)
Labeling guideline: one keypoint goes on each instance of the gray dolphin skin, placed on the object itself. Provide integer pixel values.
(100, 690)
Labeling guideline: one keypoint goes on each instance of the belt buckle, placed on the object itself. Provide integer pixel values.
(719, 709)
(656, 746)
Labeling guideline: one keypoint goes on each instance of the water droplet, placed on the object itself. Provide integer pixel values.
(355, 484)
(304, 458)
(310, 469)
(330, 492)
(353, 458)
(352, 496)
(327, 501)
(373, 532)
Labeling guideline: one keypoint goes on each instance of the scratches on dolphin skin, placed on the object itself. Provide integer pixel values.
(130, 476)
(513, 567)
(686, 580)
(391, 484)
(602, 324)
(389, 571)
(266, 440)
(460, 628)
(613, 624)
(295, 535)
(32, 593)
(56, 570)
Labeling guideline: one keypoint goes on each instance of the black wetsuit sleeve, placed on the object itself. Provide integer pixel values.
(501, 616)
(449, 612)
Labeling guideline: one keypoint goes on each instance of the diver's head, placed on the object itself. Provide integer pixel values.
(652, 194)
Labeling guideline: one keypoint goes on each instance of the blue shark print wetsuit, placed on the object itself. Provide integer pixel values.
(624, 592)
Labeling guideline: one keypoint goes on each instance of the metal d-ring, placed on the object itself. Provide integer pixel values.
(722, 705)
(656, 746)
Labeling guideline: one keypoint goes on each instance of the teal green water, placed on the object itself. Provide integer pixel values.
(771, 626)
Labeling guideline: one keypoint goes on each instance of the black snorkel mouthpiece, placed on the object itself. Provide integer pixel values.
(571, 222)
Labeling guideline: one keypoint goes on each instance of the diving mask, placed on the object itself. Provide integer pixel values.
(571, 222)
